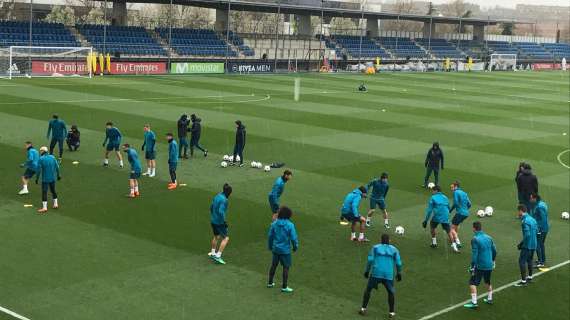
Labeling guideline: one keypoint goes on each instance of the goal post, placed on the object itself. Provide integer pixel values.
(26, 61)
(503, 62)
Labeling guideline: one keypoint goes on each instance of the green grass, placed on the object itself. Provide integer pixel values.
(103, 256)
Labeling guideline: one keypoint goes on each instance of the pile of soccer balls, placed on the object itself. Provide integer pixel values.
(254, 164)
(485, 213)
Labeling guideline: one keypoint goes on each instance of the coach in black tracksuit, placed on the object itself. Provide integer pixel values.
(182, 125)
(195, 132)
(527, 183)
(240, 142)
(433, 161)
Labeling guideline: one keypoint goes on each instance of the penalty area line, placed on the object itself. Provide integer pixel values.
(501, 288)
(13, 314)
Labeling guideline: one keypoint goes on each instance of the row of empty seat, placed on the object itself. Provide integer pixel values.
(138, 41)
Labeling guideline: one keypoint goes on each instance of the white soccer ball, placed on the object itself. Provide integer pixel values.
(226, 157)
(565, 215)
(231, 158)
(489, 211)
(254, 164)
(431, 185)
(224, 164)
(259, 165)
(267, 168)
(481, 213)
(400, 230)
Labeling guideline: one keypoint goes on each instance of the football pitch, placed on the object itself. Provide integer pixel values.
(104, 256)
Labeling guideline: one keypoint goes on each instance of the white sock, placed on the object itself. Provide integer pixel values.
(457, 241)
(218, 254)
(132, 191)
(474, 298)
(367, 219)
(386, 221)
(490, 295)
(137, 189)
(361, 235)
(106, 161)
(148, 171)
(353, 235)
(25, 187)
(434, 240)
(121, 163)
(153, 171)
(44, 205)
(55, 202)
(213, 252)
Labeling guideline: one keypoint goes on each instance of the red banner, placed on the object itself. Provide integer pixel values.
(59, 67)
(80, 67)
(546, 66)
(138, 67)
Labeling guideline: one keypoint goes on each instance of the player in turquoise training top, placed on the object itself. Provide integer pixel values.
(276, 192)
(378, 195)
(149, 151)
(218, 213)
(31, 165)
(282, 239)
(483, 255)
(383, 259)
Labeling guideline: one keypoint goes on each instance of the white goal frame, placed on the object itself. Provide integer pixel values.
(503, 62)
(51, 54)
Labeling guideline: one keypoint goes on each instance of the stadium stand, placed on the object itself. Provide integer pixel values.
(289, 47)
(530, 50)
(472, 48)
(502, 47)
(237, 41)
(440, 48)
(121, 40)
(558, 50)
(403, 47)
(351, 44)
(16, 33)
(196, 42)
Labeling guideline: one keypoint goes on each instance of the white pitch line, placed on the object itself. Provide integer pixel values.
(506, 286)
(559, 158)
(13, 314)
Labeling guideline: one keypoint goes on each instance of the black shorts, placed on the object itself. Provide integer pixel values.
(475, 279)
(458, 219)
(29, 173)
(374, 282)
(444, 225)
(220, 230)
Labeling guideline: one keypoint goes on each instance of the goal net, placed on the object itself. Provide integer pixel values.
(23, 61)
(502, 62)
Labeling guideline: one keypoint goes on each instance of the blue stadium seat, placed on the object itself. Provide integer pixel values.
(126, 40)
(17, 33)
(202, 42)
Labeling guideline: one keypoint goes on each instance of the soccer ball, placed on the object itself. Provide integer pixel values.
(431, 185)
(267, 168)
(481, 213)
(565, 215)
(226, 157)
(254, 164)
(489, 211)
(258, 165)
(224, 164)
(400, 230)
(231, 158)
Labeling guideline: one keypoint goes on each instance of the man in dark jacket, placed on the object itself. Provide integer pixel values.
(433, 160)
(240, 143)
(183, 136)
(196, 131)
(527, 183)
(73, 138)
